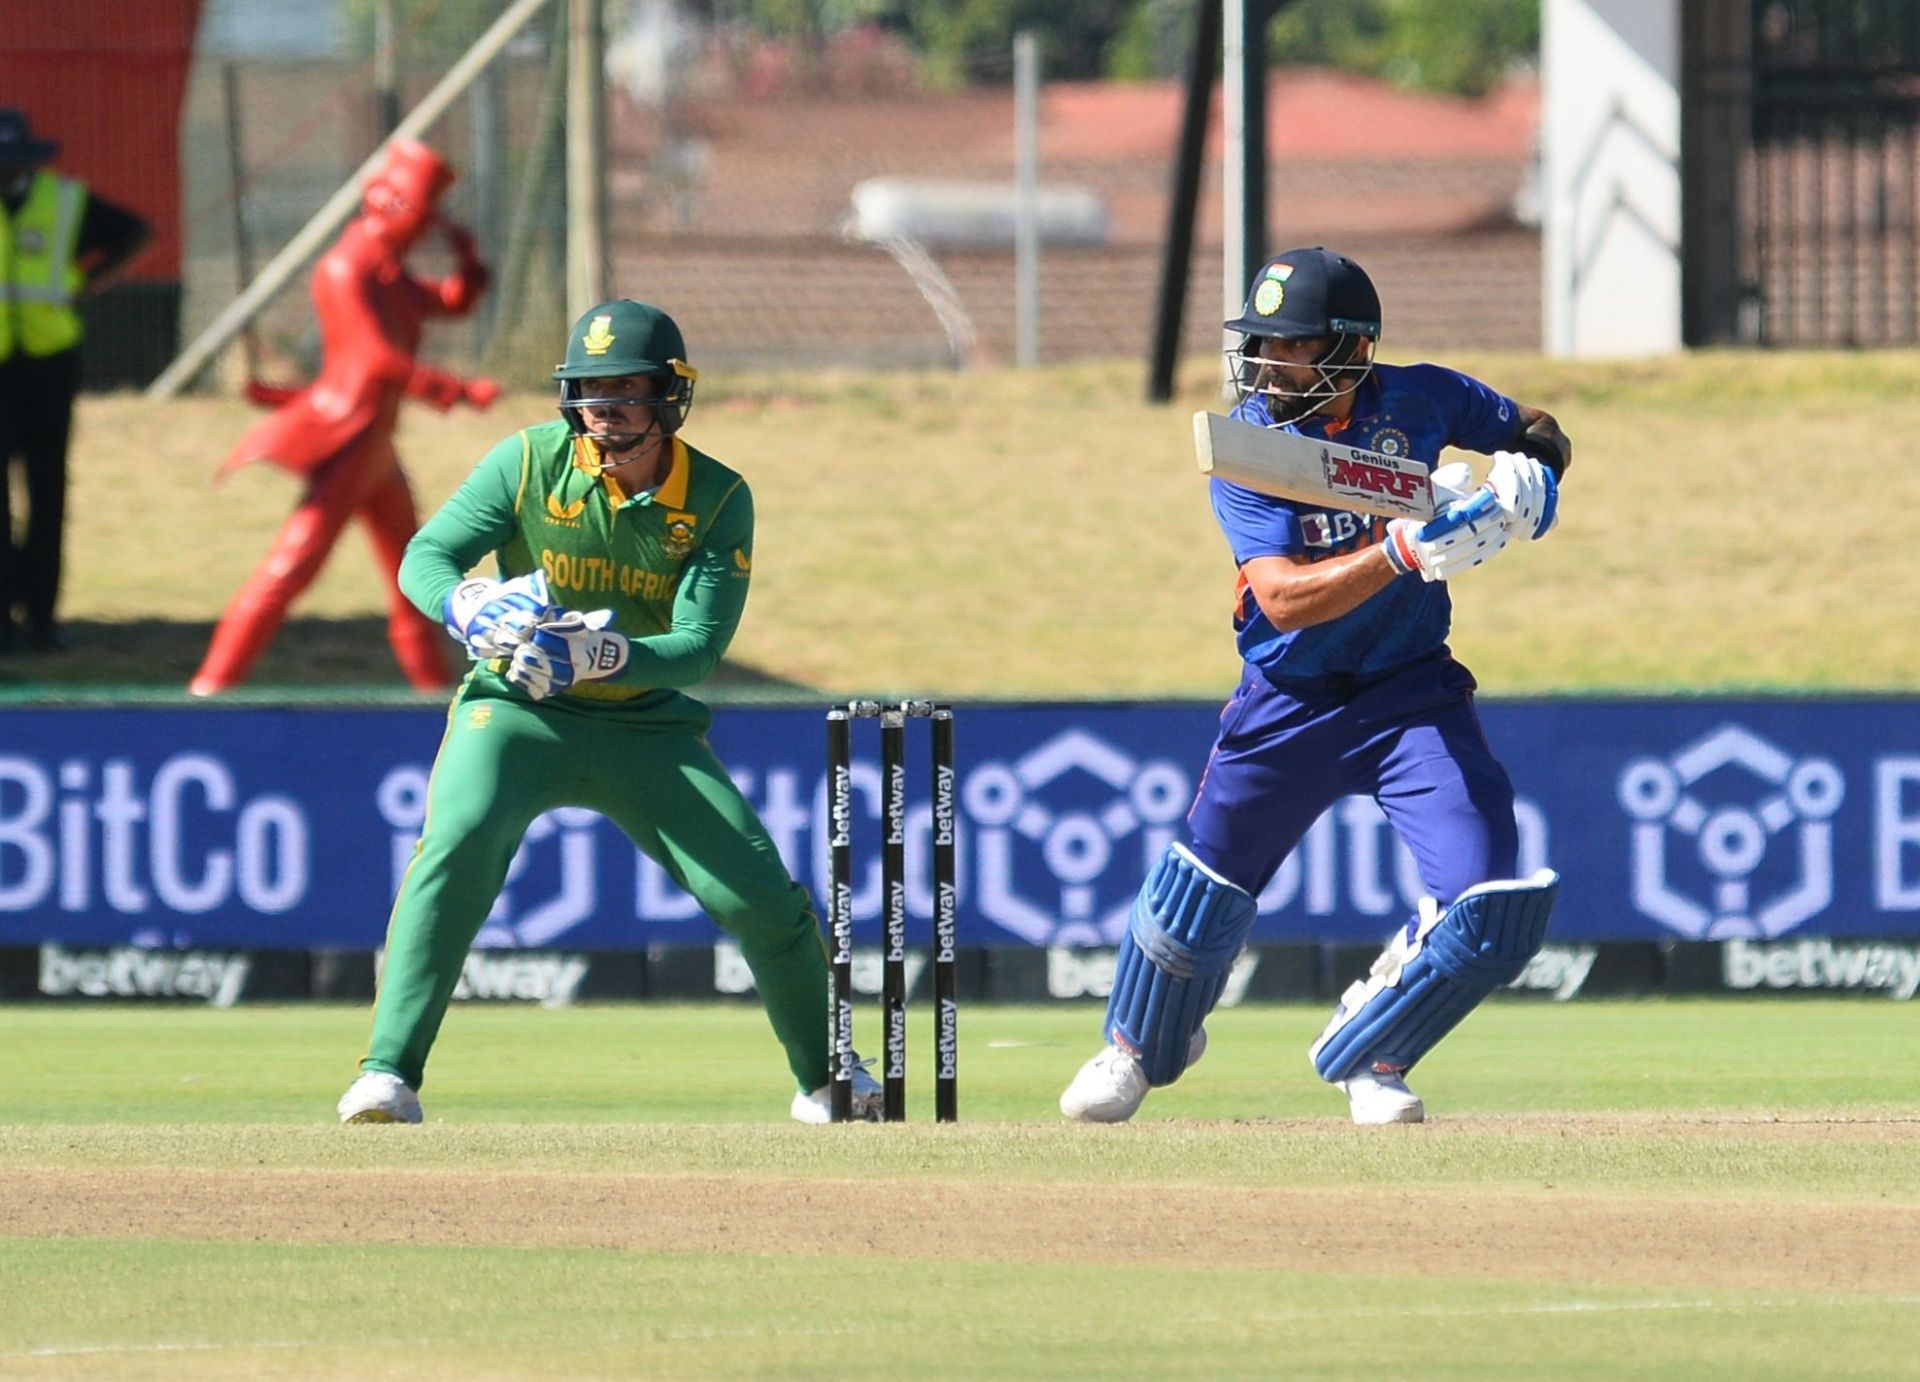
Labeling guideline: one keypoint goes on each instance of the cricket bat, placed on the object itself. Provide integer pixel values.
(1290, 466)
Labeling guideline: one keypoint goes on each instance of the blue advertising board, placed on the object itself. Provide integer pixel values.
(1689, 820)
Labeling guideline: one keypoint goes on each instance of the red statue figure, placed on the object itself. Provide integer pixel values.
(337, 433)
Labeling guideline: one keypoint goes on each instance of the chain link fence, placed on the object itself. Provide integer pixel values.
(734, 159)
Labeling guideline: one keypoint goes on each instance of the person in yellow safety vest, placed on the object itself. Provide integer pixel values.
(56, 242)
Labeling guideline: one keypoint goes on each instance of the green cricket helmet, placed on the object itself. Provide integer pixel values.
(623, 339)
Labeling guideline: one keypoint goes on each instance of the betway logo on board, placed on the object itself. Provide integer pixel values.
(1823, 964)
(1560, 971)
(1076, 973)
(551, 978)
(494, 976)
(212, 977)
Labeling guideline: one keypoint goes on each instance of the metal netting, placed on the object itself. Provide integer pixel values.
(733, 158)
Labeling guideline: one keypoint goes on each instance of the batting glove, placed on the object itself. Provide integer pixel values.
(1529, 495)
(1452, 481)
(567, 650)
(493, 618)
(1461, 536)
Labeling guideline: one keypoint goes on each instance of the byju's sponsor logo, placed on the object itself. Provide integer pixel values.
(1823, 964)
(211, 977)
(1733, 835)
(1095, 817)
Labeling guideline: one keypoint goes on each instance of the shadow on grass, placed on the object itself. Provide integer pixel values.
(158, 656)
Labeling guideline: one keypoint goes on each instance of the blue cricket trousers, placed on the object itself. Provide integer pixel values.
(1409, 739)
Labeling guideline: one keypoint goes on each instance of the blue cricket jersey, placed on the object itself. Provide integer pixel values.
(1408, 410)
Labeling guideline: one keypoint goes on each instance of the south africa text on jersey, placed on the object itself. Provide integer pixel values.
(590, 575)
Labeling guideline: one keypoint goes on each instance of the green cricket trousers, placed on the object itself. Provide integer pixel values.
(646, 767)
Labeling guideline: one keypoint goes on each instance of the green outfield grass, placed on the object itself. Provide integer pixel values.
(1731, 523)
(1655, 1189)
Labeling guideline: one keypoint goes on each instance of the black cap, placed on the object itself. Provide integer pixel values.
(18, 146)
(1307, 293)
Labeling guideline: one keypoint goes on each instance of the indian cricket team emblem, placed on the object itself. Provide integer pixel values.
(599, 337)
(679, 535)
(1390, 441)
(1272, 290)
(1732, 835)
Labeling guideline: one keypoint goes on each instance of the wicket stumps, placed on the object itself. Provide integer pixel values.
(893, 891)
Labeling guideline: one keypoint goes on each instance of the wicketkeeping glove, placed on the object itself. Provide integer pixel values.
(1461, 536)
(492, 618)
(1529, 494)
(565, 650)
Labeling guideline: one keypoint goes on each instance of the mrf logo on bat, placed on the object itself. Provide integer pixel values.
(1348, 474)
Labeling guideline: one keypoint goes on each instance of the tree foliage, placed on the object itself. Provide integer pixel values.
(1460, 46)
(974, 37)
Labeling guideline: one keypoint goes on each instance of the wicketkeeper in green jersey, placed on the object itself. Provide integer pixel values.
(624, 557)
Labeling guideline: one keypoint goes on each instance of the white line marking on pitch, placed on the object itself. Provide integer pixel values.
(1595, 1307)
(76, 1350)
(1576, 1307)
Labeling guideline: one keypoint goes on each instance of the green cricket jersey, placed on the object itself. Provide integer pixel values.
(673, 566)
(672, 563)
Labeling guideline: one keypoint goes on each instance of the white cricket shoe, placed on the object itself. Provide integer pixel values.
(1381, 1096)
(377, 1097)
(1111, 1087)
(817, 1106)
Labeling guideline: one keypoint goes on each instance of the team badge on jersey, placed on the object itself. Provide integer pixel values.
(599, 335)
(1390, 441)
(678, 540)
(1272, 290)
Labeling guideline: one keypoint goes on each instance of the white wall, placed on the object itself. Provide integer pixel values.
(1610, 148)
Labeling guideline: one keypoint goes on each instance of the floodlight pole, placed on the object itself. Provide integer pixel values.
(1183, 205)
(586, 157)
(1243, 171)
(1026, 205)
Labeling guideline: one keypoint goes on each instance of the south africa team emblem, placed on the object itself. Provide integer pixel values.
(678, 540)
(599, 335)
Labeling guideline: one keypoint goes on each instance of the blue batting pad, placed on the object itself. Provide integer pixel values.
(1434, 973)
(1188, 926)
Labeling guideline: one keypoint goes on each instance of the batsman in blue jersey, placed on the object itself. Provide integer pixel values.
(1348, 688)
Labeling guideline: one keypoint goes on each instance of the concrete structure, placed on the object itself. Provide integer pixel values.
(1610, 185)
